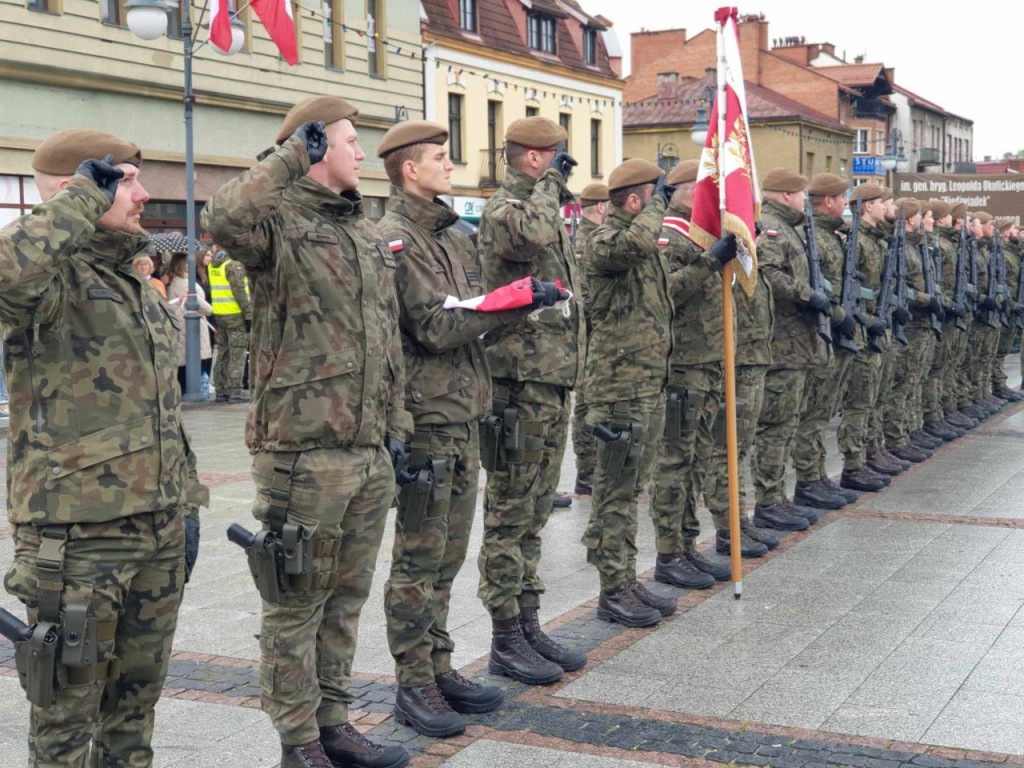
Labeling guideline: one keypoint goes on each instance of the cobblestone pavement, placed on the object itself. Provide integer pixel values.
(887, 636)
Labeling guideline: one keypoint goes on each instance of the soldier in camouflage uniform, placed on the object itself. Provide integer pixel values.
(448, 388)
(1010, 333)
(327, 422)
(594, 202)
(534, 366)
(986, 321)
(696, 388)
(796, 348)
(102, 491)
(232, 310)
(826, 384)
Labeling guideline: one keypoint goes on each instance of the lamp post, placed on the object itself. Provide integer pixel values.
(147, 19)
(699, 132)
(894, 159)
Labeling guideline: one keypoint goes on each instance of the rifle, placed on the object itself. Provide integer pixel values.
(973, 287)
(960, 285)
(929, 282)
(814, 270)
(991, 316)
(1000, 270)
(886, 300)
(1019, 321)
(900, 238)
(851, 292)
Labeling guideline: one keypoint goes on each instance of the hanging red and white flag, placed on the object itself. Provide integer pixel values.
(220, 25)
(726, 197)
(276, 16)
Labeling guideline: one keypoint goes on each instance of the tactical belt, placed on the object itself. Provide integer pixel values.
(281, 488)
(505, 407)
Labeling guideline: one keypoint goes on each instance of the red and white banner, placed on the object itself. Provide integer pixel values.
(725, 198)
(220, 25)
(511, 296)
(276, 16)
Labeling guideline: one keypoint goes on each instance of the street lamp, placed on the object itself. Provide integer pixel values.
(699, 132)
(147, 19)
(894, 159)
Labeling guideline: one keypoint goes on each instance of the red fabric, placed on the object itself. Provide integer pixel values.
(511, 296)
(220, 25)
(277, 20)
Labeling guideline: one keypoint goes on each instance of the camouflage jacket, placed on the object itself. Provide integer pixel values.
(447, 380)
(782, 254)
(918, 298)
(326, 366)
(982, 256)
(1012, 253)
(583, 233)
(755, 323)
(629, 307)
(830, 233)
(872, 250)
(91, 363)
(949, 242)
(695, 285)
(236, 279)
(521, 233)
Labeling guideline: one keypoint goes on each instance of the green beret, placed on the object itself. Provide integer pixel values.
(410, 132)
(867, 192)
(325, 109)
(939, 208)
(684, 172)
(783, 180)
(593, 194)
(632, 172)
(535, 133)
(909, 205)
(64, 151)
(828, 185)
(959, 210)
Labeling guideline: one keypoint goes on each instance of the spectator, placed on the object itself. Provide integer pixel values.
(143, 264)
(177, 292)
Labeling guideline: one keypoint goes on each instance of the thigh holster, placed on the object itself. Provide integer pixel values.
(680, 404)
(620, 442)
(506, 437)
(425, 497)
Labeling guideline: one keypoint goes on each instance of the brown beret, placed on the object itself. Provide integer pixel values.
(325, 109)
(886, 193)
(828, 184)
(62, 153)
(782, 180)
(683, 173)
(535, 132)
(1005, 222)
(983, 217)
(959, 210)
(593, 194)
(411, 132)
(910, 207)
(939, 208)
(866, 192)
(634, 171)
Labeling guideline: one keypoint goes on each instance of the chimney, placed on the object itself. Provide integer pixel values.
(859, 59)
(668, 83)
(829, 49)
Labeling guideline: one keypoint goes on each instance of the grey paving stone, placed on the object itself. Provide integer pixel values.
(629, 690)
(981, 720)
(700, 699)
(797, 698)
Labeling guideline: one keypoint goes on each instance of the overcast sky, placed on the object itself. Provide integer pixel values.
(959, 56)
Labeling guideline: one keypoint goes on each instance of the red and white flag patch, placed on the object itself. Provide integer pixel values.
(396, 245)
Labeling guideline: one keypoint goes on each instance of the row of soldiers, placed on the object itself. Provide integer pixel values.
(402, 352)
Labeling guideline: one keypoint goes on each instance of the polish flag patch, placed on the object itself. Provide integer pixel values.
(771, 233)
(662, 241)
(396, 245)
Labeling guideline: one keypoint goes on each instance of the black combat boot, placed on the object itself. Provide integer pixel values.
(962, 420)
(912, 453)
(622, 606)
(468, 696)
(941, 430)
(847, 493)
(898, 462)
(584, 483)
(718, 569)
(748, 546)
(666, 606)
(679, 572)
(810, 514)
(567, 658)
(816, 496)
(513, 657)
(880, 463)
(861, 479)
(760, 535)
(781, 516)
(922, 439)
(304, 756)
(1009, 395)
(958, 431)
(346, 746)
(561, 501)
(424, 709)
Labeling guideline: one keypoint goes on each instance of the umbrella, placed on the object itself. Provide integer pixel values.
(171, 242)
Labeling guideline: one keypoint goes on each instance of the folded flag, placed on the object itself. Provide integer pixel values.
(511, 296)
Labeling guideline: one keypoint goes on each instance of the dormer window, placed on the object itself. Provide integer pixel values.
(467, 15)
(541, 30)
(590, 47)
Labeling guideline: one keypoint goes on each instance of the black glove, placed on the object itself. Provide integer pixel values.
(819, 303)
(847, 328)
(103, 174)
(989, 302)
(248, 326)
(877, 328)
(396, 450)
(724, 249)
(861, 320)
(956, 311)
(935, 305)
(546, 294)
(315, 137)
(563, 162)
(664, 190)
(901, 315)
(941, 314)
(1019, 311)
(191, 545)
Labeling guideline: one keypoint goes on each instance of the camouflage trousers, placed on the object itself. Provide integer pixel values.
(584, 444)
(307, 641)
(915, 403)
(784, 401)
(610, 536)
(858, 404)
(825, 385)
(130, 572)
(683, 465)
(427, 555)
(876, 433)
(750, 394)
(517, 504)
(931, 389)
(1007, 336)
(908, 369)
(985, 345)
(232, 345)
(954, 347)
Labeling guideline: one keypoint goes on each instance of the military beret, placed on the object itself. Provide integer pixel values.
(910, 206)
(684, 172)
(866, 192)
(782, 180)
(1005, 222)
(62, 153)
(983, 217)
(411, 132)
(939, 208)
(828, 184)
(325, 109)
(634, 171)
(535, 132)
(887, 193)
(593, 194)
(959, 210)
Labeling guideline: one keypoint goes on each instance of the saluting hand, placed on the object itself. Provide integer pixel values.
(315, 136)
(103, 174)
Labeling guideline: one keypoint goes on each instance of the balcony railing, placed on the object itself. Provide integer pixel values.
(871, 108)
(492, 167)
(928, 156)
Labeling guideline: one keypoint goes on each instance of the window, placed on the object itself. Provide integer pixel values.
(376, 53)
(860, 144)
(334, 36)
(828, 163)
(541, 31)
(467, 15)
(565, 120)
(809, 164)
(17, 196)
(112, 12)
(590, 46)
(595, 147)
(532, 111)
(455, 127)
(44, 6)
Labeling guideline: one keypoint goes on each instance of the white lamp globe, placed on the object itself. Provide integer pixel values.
(237, 39)
(147, 19)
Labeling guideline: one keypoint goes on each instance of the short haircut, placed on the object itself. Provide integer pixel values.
(395, 160)
(514, 154)
(618, 197)
(818, 199)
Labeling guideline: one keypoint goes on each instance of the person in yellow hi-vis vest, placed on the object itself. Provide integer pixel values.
(229, 294)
